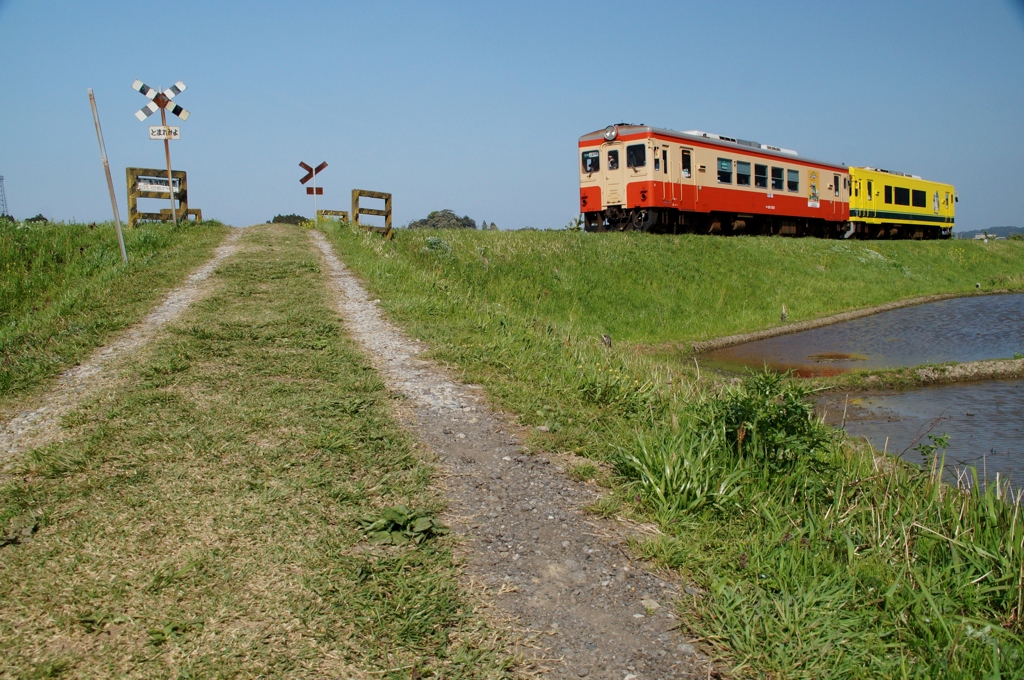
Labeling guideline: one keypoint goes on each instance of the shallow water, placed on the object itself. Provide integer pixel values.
(984, 422)
(960, 329)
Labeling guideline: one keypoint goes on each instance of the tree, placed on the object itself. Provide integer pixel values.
(443, 219)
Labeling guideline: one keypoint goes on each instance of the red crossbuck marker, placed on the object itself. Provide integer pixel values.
(310, 174)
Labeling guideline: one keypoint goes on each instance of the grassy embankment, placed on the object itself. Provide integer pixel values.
(64, 290)
(819, 561)
(202, 521)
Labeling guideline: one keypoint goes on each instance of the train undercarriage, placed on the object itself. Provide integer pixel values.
(669, 221)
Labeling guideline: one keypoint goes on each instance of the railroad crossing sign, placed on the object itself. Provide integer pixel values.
(163, 101)
(311, 173)
(160, 100)
(314, 190)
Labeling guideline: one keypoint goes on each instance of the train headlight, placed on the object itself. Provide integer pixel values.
(610, 133)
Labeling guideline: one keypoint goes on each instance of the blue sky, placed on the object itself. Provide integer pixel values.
(477, 106)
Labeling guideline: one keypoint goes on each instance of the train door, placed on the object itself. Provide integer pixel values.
(613, 173)
(675, 176)
(687, 181)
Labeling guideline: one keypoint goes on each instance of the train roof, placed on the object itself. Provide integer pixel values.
(625, 129)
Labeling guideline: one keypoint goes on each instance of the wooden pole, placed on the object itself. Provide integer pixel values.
(110, 182)
(167, 153)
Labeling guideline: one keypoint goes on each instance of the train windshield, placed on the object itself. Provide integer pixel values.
(591, 161)
(613, 159)
(636, 156)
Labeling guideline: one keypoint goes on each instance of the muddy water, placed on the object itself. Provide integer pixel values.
(984, 422)
(960, 329)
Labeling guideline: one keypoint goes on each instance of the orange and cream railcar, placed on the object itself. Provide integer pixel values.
(640, 177)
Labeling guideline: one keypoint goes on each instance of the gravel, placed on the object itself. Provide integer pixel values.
(37, 427)
(578, 603)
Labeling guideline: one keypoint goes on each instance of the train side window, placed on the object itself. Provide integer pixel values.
(725, 171)
(919, 198)
(636, 156)
(743, 173)
(761, 176)
(935, 202)
(657, 159)
(591, 161)
(888, 194)
(902, 196)
(870, 189)
(835, 183)
(664, 159)
(856, 189)
(613, 159)
(777, 178)
(792, 180)
(686, 163)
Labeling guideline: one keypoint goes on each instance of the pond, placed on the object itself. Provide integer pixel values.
(984, 422)
(958, 329)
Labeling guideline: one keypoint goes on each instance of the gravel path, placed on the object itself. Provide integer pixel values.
(34, 428)
(581, 606)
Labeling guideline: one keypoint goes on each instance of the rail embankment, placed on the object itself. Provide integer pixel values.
(808, 556)
(65, 292)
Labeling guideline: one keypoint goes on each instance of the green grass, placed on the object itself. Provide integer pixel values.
(686, 288)
(205, 520)
(64, 290)
(818, 560)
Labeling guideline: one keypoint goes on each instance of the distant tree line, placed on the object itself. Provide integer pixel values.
(288, 219)
(447, 219)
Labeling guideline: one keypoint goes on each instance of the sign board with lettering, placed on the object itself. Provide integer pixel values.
(164, 132)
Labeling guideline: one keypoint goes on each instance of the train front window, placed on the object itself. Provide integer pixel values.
(902, 196)
(743, 173)
(636, 156)
(792, 180)
(920, 199)
(613, 159)
(777, 179)
(725, 171)
(591, 161)
(761, 176)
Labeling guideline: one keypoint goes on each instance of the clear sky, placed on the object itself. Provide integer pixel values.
(477, 106)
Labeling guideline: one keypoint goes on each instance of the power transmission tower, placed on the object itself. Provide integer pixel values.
(3, 199)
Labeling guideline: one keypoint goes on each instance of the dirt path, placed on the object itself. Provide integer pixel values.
(39, 426)
(564, 576)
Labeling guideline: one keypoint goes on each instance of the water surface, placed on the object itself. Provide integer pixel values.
(959, 329)
(984, 421)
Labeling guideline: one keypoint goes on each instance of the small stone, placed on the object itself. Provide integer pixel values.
(506, 458)
(460, 436)
(686, 648)
(638, 616)
(690, 590)
(543, 428)
(650, 605)
(582, 672)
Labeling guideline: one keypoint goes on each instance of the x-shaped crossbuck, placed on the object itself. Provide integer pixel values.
(311, 171)
(160, 100)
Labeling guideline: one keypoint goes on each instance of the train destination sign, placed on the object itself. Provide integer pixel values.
(161, 132)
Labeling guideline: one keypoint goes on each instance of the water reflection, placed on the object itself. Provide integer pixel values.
(960, 329)
(984, 421)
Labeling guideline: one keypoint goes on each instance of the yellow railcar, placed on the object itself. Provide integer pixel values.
(886, 204)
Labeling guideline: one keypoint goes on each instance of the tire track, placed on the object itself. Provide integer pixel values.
(40, 426)
(580, 605)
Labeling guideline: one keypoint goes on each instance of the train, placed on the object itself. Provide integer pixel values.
(638, 177)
